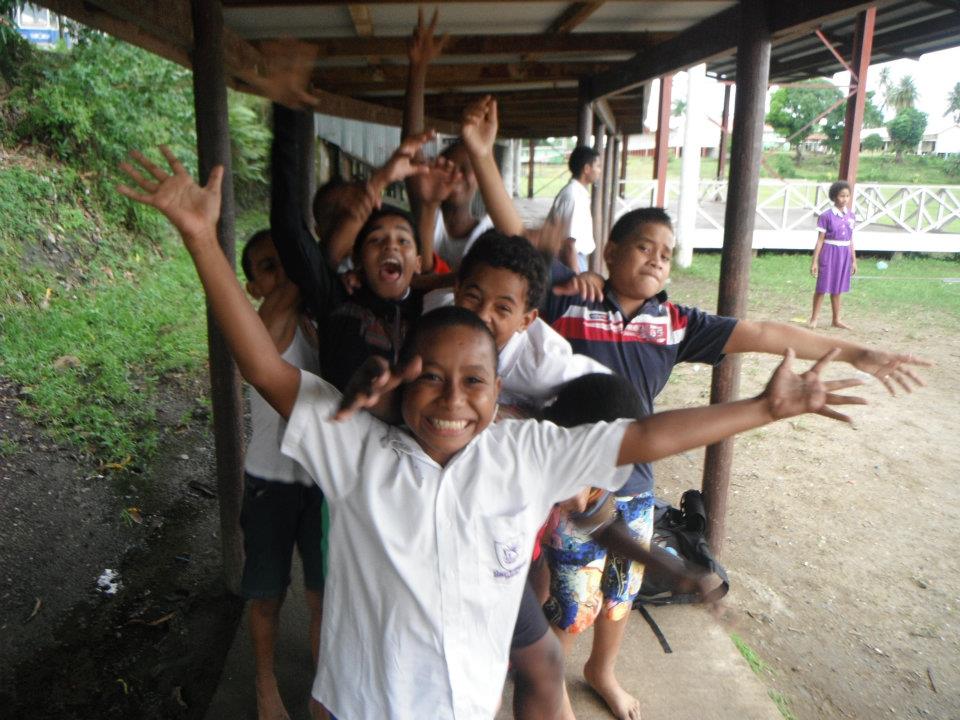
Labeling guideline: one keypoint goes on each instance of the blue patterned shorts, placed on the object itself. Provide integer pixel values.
(584, 579)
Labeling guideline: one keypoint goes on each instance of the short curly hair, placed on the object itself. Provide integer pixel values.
(438, 319)
(836, 189)
(513, 253)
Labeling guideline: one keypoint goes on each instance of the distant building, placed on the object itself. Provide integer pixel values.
(39, 25)
(942, 142)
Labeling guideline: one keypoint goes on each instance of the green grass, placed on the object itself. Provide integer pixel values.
(124, 333)
(783, 705)
(784, 279)
(761, 669)
(755, 662)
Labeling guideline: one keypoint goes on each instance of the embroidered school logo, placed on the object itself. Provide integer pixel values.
(510, 557)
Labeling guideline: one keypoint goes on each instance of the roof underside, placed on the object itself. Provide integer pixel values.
(537, 56)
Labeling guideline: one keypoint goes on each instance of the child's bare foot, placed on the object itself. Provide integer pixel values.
(812, 324)
(841, 324)
(269, 704)
(621, 703)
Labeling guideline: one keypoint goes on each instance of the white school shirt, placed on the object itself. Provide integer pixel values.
(264, 459)
(453, 249)
(533, 363)
(427, 563)
(571, 212)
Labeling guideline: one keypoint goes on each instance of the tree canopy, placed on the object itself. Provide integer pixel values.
(953, 103)
(906, 130)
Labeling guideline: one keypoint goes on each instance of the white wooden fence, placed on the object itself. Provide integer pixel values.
(890, 218)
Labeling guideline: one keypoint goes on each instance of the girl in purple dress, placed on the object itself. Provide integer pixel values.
(834, 259)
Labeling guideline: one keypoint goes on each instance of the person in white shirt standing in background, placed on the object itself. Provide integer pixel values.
(570, 221)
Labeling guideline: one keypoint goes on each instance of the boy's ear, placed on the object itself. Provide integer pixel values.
(608, 250)
(529, 317)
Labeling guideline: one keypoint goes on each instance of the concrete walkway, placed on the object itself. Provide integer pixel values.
(704, 678)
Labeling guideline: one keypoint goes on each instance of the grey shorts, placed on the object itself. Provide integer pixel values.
(276, 516)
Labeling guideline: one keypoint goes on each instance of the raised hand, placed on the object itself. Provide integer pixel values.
(588, 285)
(788, 394)
(284, 73)
(435, 185)
(404, 161)
(372, 383)
(479, 126)
(192, 209)
(891, 367)
(424, 47)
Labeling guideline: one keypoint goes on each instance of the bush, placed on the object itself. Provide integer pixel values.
(872, 143)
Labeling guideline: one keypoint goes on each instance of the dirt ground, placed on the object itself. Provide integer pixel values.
(842, 544)
(841, 547)
(153, 650)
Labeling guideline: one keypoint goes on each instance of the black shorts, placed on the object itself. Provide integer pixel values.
(275, 517)
(531, 622)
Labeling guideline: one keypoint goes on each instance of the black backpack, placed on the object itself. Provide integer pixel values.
(682, 533)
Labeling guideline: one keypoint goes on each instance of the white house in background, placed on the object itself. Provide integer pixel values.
(942, 142)
(709, 140)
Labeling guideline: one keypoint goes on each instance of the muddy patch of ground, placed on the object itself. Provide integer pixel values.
(155, 648)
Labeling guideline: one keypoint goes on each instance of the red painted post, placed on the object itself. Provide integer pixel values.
(853, 120)
(663, 140)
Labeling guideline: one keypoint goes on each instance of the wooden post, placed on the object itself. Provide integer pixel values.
(308, 141)
(596, 204)
(213, 148)
(623, 165)
(853, 120)
(533, 149)
(724, 128)
(611, 172)
(663, 141)
(753, 71)
(584, 116)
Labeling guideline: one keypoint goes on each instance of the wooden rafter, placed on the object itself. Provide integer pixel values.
(360, 80)
(362, 19)
(456, 45)
(575, 14)
(717, 36)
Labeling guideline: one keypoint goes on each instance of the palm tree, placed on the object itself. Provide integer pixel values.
(886, 83)
(903, 95)
(953, 104)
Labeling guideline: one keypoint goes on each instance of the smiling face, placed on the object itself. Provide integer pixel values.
(640, 264)
(388, 256)
(455, 396)
(499, 297)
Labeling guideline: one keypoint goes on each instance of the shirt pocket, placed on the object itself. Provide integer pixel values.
(504, 551)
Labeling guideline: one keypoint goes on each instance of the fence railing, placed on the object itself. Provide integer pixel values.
(889, 217)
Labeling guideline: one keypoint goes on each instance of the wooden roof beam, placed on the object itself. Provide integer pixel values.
(717, 36)
(396, 47)
(358, 80)
(573, 16)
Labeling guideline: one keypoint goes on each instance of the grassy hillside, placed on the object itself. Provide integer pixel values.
(97, 301)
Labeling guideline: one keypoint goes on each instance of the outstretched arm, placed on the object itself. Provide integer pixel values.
(775, 338)
(194, 211)
(787, 394)
(479, 132)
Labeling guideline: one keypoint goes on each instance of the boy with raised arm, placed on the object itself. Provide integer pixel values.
(432, 524)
